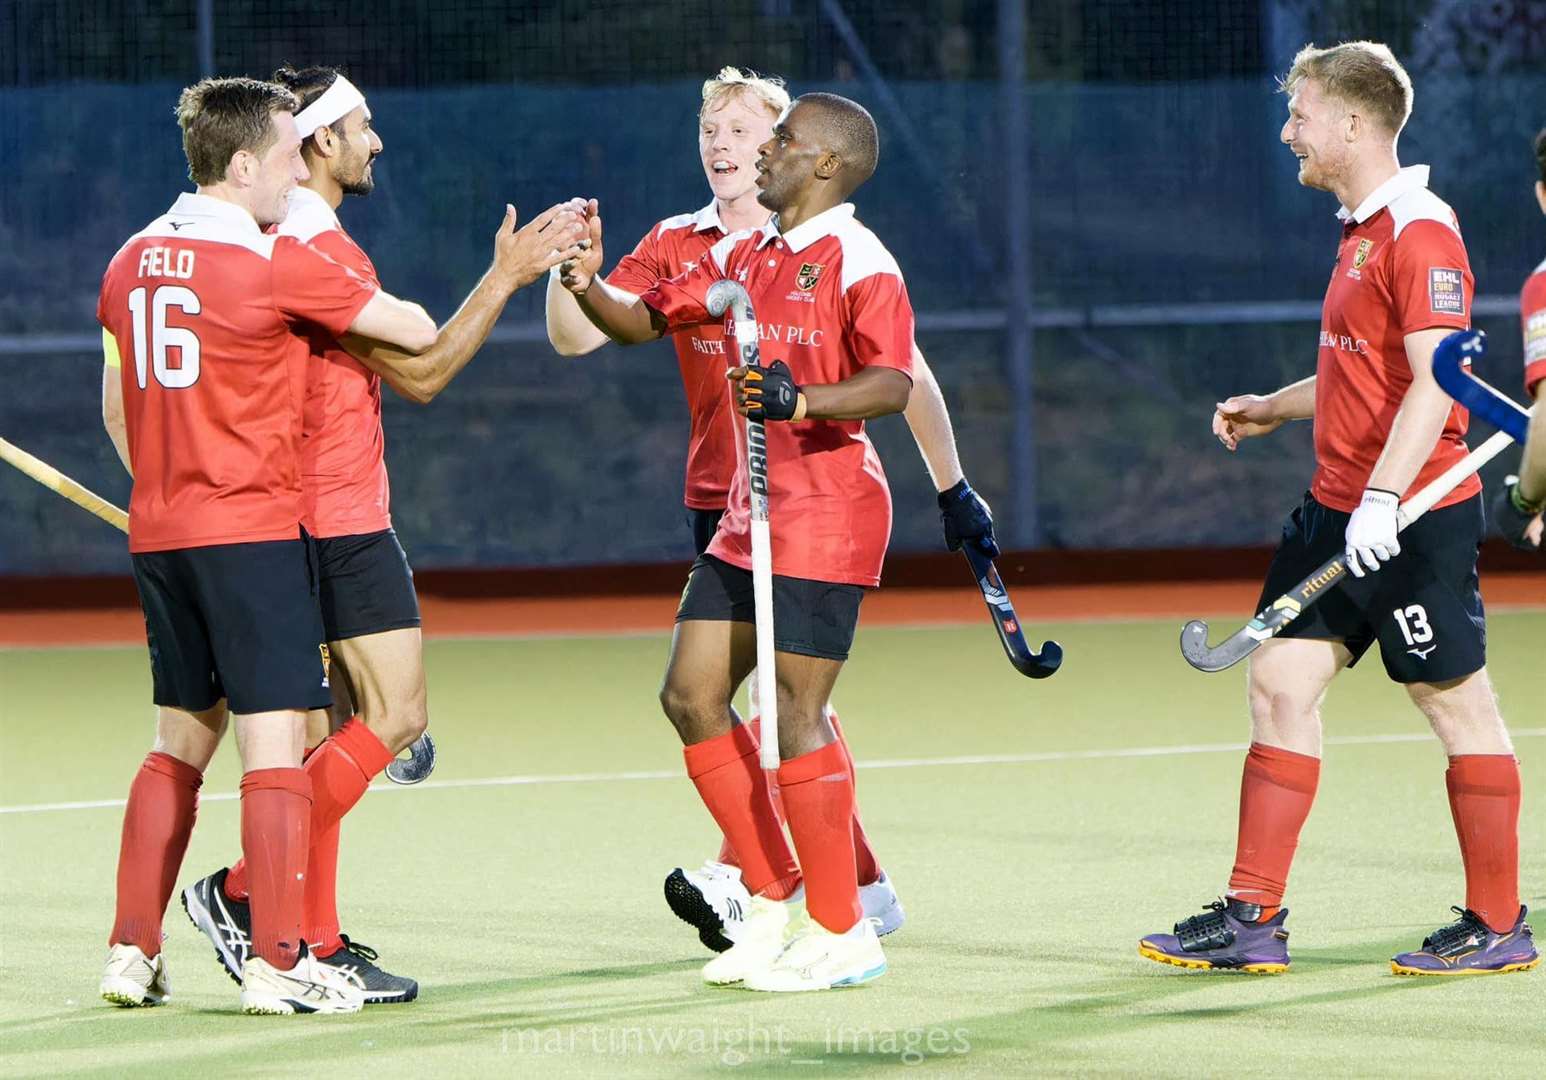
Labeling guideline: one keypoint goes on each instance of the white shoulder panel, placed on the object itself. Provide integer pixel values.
(863, 254)
(1421, 205)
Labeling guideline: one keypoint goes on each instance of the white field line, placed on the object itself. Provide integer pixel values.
(882, 763)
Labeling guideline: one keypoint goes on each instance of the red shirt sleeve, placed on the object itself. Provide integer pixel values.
(682, 300)
(1532, 317)
(880, 323)
(1430, 278)
(641, 267)
(312, 287)
(345, 252)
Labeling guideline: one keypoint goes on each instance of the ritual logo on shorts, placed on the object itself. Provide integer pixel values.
(327, 661)
(809, 274)
(1446, 291)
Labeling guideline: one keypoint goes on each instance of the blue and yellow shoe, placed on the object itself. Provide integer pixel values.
(1228, 936)
(1471, 947)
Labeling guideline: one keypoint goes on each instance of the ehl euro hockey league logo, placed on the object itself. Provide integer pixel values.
(809, 274)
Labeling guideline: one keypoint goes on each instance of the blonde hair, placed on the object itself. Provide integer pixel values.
(1362, 74)
(768, 90)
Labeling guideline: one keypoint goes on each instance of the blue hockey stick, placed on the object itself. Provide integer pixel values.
(1487, 402)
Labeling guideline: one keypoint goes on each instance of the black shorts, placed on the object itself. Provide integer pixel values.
(705, 523)
(366, 585)
(811, 618)
(1424, 606)
(235, 621)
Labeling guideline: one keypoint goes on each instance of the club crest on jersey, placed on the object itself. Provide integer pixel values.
(1361, 256)
(809, 274)
(1446, 291)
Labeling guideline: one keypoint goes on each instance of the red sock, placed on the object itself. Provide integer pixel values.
(864, 857)
(341, 768)
(163, 801)
(1276, 791)
(726, 848)
(819, 798)
(320, 905)
(276, 825)
(734, 787)
(1484, 800)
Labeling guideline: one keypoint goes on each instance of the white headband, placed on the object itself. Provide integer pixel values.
(336, 102)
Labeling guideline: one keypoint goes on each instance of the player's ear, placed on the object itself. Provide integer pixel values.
(242, 167)
(1540, 194)
(828, 165)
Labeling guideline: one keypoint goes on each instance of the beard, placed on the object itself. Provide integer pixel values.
(363, 184)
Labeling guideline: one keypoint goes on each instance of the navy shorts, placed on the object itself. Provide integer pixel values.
(366, 585)
(1424, 607)
(811, 618)
(235, 621)
(705, 523)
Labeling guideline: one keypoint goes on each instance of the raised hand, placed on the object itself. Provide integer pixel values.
(523, 255)
(577, 273)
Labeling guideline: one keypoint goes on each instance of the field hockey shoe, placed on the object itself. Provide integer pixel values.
(1228, 936)
(1471, 947)
(308, 987)
(357, 964)
(226, 922)
(815, 958)
(881, 906)
(132, 978)
(712, 900)
(760, 939)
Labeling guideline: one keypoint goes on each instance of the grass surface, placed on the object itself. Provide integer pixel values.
(531, 913)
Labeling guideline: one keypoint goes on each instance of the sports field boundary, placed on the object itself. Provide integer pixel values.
(1034, 758)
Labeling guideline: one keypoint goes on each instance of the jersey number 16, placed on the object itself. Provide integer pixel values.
(163, 337)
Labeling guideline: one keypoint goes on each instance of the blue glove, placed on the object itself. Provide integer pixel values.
(967, 519)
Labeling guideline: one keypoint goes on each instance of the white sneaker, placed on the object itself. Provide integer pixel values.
(132, 978)
(817, 959)
(761, 940)
(308, 987)
(712, 900)
(881, 905)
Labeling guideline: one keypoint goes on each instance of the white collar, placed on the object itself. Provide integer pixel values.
(302, 196)
(192, 204)
(1412, 178)
(708, 218)
(807, 233)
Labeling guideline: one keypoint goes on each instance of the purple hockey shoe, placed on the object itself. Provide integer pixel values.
(1471, 947)
(1226, 937)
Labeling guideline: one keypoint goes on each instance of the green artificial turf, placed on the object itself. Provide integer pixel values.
(531, 912)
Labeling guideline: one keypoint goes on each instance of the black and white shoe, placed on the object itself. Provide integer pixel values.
(357, 964)
(226, 922)
(712, 900)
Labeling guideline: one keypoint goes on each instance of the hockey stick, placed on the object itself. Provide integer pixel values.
(408, 770)
(728, 296)
(61, 484)
(996, 596)
(1288, 607)
(1487, 402)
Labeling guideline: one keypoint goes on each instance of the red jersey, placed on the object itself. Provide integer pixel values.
(673, 246)
(343, 448)
(1532, 316)
(830, 302)
(204, 308)
(1401, 267)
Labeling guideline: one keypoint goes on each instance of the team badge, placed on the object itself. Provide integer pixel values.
(1446, 291)
(1361, 256)
(809, 274)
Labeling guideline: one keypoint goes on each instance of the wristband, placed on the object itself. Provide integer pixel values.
(1523, 505)
(801, 407)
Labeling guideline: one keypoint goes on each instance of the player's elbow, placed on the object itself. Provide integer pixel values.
(893, 394)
